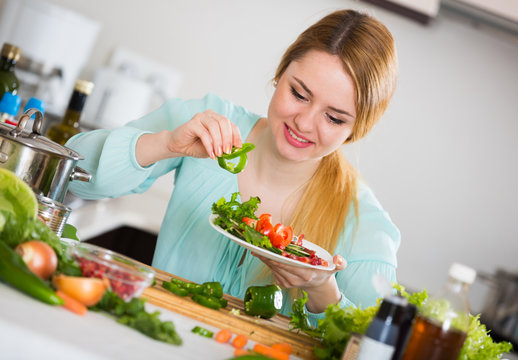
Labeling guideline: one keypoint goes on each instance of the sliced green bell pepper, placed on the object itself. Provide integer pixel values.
(213, 288)
(207, 301)
(202, 331)
(263, 301)
(175, 289)
(209, 294)
(224, 162)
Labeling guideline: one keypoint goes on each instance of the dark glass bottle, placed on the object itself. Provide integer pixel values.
(8, 80)
(382, 335)
(69, 126)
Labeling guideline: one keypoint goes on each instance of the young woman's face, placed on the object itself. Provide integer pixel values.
(312, 110)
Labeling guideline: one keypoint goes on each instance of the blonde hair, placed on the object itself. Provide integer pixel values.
(368, 54)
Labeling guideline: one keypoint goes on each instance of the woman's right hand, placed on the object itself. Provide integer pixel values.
(207, 134)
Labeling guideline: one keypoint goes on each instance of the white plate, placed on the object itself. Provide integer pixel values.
(321, 253)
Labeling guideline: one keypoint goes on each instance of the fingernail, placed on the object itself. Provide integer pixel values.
(212, 156)
(229, 149)
(220, 152)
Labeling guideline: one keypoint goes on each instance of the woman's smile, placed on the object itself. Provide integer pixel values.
(294, 139)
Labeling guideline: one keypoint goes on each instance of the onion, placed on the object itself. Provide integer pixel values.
(39, 257)
(87, 291)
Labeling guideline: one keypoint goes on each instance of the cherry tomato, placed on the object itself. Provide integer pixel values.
(286, 233)
(276, 239)
(249, 221)
(264, 224)
(39, 257)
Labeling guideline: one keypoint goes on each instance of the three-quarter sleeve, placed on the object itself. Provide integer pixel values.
(109, 155)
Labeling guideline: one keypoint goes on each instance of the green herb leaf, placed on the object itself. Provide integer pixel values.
(334, 330)
(134, 315)
(69, 232)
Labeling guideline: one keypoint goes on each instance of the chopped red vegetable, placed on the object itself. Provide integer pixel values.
(223, 336)
(240, 341)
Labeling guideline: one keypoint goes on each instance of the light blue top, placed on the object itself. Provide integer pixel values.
(187, 245)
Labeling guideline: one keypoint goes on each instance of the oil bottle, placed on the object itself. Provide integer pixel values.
(443, 321)
(8, 81)
(69, 126)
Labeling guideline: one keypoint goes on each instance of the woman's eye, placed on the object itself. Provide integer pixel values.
(297, 95)
(335, 120)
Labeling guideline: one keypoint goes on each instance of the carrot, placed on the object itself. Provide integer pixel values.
(284, 347)
(223, 336)
(271, 352)
(240, 341)
(72, 304)
(241, 352)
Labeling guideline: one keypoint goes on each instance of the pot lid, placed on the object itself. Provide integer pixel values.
(33, 139)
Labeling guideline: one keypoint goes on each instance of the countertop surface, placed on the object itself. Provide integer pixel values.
(30, 329)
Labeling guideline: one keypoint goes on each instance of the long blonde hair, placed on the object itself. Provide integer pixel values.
(368, 54)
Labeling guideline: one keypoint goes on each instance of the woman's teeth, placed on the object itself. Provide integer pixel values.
(296, 137)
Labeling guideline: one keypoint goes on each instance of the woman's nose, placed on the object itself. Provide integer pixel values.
(306, 120)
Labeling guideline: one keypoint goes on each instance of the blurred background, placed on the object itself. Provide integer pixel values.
(442, 161)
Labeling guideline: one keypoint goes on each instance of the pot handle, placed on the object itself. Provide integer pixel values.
(80, 174)
(36, 126)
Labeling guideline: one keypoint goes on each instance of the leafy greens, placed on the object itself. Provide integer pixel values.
(230, 214)
(334, 330)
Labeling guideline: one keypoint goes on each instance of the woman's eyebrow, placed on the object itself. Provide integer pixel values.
(304, 86)
(301, 83)
(343, 112)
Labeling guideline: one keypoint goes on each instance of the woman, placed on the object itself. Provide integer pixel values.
(333, 83)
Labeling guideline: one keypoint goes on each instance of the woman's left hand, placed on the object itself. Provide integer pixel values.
(319, 284)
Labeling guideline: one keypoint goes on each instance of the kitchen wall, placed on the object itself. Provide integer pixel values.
(442, 160)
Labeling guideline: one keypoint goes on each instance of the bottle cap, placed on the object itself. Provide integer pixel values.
(36, 104)
(10, 103)
(462, 273)
(11, 52)
(84, 86)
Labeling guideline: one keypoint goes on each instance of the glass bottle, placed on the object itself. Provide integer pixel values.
(442, 324)
(382, 335)
(69, 126)
(9, 106)
(8, 81)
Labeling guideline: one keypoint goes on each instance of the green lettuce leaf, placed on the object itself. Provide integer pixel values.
(334, 330)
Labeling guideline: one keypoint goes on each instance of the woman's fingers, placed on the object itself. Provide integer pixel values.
(236, 136)
(206, 134)
(340, 263)
(221, 131)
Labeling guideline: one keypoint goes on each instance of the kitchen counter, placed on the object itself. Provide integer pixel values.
(31, 329)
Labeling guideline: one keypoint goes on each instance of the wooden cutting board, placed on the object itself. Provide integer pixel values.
(265, 331)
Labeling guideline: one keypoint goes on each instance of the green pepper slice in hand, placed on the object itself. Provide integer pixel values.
(263, 301)
(236, 152)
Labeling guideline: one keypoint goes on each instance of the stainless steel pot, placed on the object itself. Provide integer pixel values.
(46, 166)
(500, 311)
